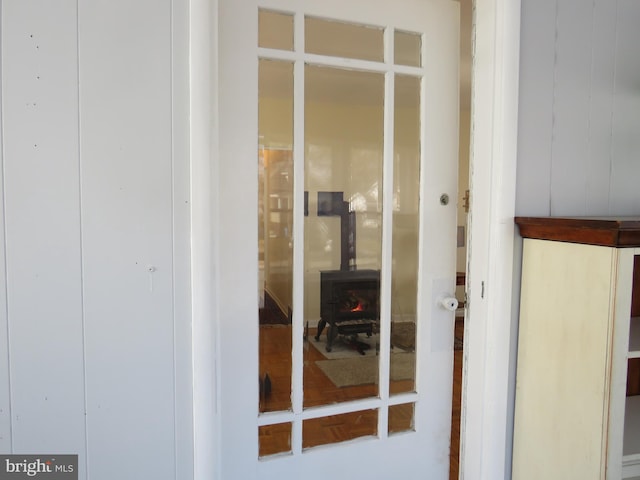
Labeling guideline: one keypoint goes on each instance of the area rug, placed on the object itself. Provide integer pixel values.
(402, 340)
(344, 372)
(403, 335)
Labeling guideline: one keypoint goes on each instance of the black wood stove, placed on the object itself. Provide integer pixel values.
(349, 303)
(349, 298)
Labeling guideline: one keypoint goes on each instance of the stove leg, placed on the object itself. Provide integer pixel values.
(332, 333)
(321, 325)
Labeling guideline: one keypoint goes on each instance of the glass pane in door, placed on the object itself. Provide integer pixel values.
(343, 231)
(341, 39)
(406, 221)
(407, 48)
(401, 418)
(275, 224)
(324, 430)
(274, 439)
(275, 30)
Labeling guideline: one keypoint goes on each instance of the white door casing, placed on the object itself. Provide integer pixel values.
(483, 427)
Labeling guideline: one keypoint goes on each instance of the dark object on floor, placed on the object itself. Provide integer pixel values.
(265, 390)
(267, 386)
(356, 344)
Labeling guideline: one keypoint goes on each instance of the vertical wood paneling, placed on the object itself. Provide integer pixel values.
(571, 107)
(625, 194)
(40, 140)
(595, 131)
(95, 206)
(599, 142)
(5, 397)
(125, 112)
(535, 126)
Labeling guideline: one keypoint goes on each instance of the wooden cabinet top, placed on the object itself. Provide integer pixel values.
(607, 231)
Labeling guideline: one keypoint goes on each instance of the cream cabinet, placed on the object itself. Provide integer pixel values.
(578, 338)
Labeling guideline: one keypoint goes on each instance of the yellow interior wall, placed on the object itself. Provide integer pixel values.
(344, 153)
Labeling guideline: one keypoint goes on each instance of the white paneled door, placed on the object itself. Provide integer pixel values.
(335, 227)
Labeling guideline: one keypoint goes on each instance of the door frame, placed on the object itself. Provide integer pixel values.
(491, 319)
(489, 358)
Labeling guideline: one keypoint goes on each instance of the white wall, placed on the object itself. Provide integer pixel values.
(94, 270)
(579, 126)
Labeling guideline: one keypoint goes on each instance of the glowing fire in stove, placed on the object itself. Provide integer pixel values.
(355, 302)
(358, 308)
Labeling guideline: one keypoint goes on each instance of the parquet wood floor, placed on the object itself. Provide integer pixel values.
(275, 354)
